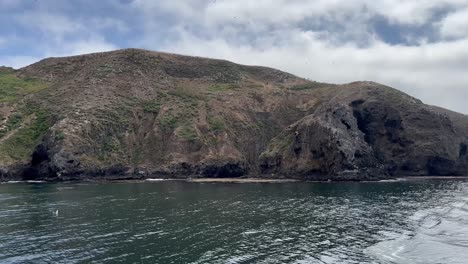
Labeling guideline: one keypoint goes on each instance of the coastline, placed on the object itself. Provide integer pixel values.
(233, 180)
(240, 180)
(409, 178)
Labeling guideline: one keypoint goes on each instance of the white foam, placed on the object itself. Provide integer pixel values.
(14, 181)
(440, 236)
(156, 180)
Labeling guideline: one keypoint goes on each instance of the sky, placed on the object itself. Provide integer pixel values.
(417, 46)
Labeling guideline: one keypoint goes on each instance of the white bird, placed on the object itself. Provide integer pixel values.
(56, 213)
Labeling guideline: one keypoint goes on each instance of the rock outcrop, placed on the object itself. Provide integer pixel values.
(370, 131)
(134, 114)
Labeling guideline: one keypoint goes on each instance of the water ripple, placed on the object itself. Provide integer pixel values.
(174, 222)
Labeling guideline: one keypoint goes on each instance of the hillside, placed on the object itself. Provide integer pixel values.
(136, 114)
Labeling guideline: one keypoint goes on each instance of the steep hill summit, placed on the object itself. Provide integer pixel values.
(136, 114)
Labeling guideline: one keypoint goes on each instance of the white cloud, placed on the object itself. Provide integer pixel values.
(57, 26)
(53, 24)
(455, 25)
(82, 47)
(66, 36)
(181, 8)
(288, 11)
(109, 23)
(77, 47)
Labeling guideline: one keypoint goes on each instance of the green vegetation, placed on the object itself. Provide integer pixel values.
(279, 144)
(187, 94)
(114, 119)
(216, 125)
(59, 135)
(188, 133)
(211, 141)
(13, 122)
(12, 87)
(396, 96)
(29, 107)
(136, 156)
(108, 147)
(169, 121)
(151, 106)
(174, 120)
(193, 105)
(221, 87)
(21, 144)
(179, 115)
(106, 67)
(308, 86)
(181, 107)
(57, 67)
(6, 70)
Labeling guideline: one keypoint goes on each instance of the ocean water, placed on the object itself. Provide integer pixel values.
(178, 222)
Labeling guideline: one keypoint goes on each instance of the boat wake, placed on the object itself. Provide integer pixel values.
(440, 235)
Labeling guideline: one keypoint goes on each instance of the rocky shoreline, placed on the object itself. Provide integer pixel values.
(250, 179)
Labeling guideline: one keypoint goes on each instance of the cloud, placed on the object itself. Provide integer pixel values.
(81, 47)
(285, 11)
(105, 23)
(65, 49)
(412, 12)
(455, 25)
(53, 24)
(53, 33)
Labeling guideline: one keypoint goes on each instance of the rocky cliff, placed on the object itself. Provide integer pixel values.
(135, 113)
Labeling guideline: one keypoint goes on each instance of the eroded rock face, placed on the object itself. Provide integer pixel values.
(325, 145)
(367, 136)
(139, 114)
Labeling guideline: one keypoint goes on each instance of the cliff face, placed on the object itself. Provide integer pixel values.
(135, 113)
(368, 131)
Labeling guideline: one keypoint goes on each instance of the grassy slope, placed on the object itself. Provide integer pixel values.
(143, 109)
(23, 122)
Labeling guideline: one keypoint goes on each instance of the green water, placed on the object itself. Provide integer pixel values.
(178, 222)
